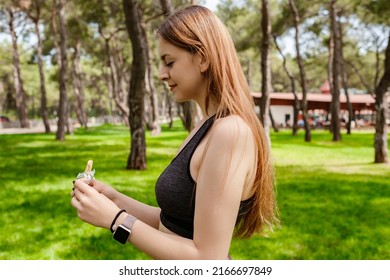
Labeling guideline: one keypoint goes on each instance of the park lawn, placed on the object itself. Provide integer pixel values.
(334, 202)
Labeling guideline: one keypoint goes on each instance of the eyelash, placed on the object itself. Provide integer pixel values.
(169, 64)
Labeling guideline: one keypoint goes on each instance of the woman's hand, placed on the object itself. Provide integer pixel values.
(104, 189)
(101, 187)
(92, 206)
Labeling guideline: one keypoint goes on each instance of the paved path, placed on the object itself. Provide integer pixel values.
(37, 129)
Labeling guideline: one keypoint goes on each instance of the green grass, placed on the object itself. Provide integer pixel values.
(334, 202)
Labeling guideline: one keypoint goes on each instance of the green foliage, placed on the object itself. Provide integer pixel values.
(373, 11)
(5, 60)
(334, 202)
(89, 20)
(243, 23)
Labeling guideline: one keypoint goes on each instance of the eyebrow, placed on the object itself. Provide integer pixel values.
(163, 56)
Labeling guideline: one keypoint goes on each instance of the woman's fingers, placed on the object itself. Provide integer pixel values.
(75, 203)
(81, 186)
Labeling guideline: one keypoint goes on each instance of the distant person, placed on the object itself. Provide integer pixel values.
(221, 182)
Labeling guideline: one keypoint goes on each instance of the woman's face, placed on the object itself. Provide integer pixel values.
(182, 71)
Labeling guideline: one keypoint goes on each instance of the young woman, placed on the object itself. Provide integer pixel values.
(221, 182)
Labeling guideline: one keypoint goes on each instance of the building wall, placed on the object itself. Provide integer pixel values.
(281, 114)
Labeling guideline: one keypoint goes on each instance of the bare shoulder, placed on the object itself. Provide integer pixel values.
(233, 132)
(232, 126)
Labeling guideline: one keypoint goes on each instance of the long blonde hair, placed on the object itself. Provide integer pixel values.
(198, 30)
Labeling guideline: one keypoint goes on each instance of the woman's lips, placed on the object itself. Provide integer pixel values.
(172, 87)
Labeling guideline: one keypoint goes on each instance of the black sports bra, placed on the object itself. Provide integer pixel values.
(175, 189)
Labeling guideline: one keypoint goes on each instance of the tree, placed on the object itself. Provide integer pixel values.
(265, 65)
(344, 79)
(109, 46)
(336, 72)
(167, 8)
(33, 10)
(59, 10)
(78, 36)
(116, 76)
(152, 99)
(292, 82)
(78, 87)
(381, 106)
(20, 95)
(375, 12)
(301, 71)
(137, 92)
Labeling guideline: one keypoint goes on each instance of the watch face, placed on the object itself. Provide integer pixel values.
(122, 234)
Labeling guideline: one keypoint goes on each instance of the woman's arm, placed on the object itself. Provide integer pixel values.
(146, 213)
(220, 182)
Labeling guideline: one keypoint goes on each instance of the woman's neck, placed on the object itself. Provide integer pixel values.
(210, 110)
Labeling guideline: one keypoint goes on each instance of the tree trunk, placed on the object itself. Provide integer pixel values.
(381, 106)
(137, 92)
(344, 79)
(166, 106)
(154, 125)
(330, 60)
(36, 20)
(301, 71)
(274, 126)
(2, 98)
(114, 81)
(265, 66)
(44, 114)
(61, 45)
(108, 82)
(78, 87)
(330, 72)
(249, 72)
(167, 7)
(336, 73)
(169, 104)
(20, 94)
(361, 77)
(346, 92)
(292, 81)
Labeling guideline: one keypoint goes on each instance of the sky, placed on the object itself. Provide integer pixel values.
(211, 4)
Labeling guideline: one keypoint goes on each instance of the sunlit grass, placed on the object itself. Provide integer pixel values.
(334, 202)
(37, 174)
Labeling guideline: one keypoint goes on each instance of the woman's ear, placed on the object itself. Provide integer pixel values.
(204, 63)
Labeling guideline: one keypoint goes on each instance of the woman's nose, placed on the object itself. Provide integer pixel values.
(163, 73)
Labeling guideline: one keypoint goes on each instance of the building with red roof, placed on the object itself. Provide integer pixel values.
(281, 105)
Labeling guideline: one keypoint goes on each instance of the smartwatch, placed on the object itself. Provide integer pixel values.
(123, 232)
